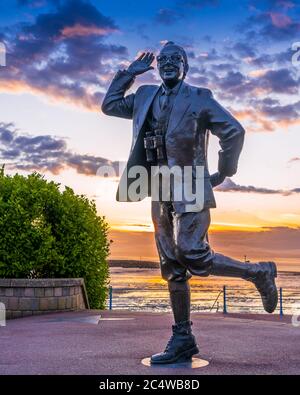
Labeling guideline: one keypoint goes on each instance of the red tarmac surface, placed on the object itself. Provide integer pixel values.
(73, 343)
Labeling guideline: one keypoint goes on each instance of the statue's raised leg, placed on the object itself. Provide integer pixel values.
(261, 274)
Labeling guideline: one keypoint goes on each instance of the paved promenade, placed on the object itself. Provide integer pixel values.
(116, 342)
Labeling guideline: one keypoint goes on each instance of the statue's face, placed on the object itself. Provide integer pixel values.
(170, 65)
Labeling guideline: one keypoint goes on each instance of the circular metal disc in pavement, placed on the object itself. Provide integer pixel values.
(195, 363)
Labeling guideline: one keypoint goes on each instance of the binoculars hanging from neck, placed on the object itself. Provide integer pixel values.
(154, 145)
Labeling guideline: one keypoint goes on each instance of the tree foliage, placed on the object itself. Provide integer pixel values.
(46, 233)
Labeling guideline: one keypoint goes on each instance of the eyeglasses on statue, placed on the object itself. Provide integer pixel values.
(175, 58)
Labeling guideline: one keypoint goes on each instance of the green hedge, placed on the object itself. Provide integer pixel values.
(46, 233)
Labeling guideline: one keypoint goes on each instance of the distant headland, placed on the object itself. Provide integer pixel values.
(133, 264)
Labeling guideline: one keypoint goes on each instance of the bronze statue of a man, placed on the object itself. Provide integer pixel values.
(170, 127)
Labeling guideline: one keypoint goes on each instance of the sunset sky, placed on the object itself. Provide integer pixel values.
(60, 57)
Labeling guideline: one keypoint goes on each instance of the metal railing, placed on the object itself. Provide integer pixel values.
(228, 299)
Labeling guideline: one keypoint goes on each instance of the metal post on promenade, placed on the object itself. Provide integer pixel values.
(110, 297)
(280, 302)
(224, 300)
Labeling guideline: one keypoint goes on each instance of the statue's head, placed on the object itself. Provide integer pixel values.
(172, 63)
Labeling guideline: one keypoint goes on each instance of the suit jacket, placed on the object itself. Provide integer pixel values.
(194, 113)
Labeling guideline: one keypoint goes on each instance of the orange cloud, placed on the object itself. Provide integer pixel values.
(86, 101)
(286, 123)
(260, 123)
(258, 73)
(80, 30)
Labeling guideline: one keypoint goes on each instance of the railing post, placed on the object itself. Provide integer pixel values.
(280, 302)
(110, 297)
(224, 300)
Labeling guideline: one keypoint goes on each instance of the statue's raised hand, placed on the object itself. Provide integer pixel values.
(141, 64)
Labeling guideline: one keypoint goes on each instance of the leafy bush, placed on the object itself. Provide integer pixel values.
(45, 233)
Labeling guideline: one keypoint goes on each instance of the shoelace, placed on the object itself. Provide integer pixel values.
(169, 343)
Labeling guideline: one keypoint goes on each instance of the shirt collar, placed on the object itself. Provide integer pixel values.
(172, 91)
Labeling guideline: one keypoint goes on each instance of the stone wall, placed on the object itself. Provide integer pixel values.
(24, 297)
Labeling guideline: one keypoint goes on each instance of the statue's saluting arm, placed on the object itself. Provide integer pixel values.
(115, 103)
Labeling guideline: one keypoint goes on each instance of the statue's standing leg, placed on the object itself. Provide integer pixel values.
(180, 297)
(182, 344)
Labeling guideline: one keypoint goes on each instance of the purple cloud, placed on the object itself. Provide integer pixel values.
(229, 186)
(63, 54)
(45, 153)
(280, 81)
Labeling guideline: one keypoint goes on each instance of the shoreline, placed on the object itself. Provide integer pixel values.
(136, 264)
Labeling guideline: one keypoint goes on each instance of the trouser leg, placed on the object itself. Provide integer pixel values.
(171, 268)
(180, 300)
(225, 266)
(193, 250)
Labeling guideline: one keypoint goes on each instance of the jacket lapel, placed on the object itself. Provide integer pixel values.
(146, 102)
(181, 103)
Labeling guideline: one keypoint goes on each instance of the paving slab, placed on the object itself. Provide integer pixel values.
(114, 342)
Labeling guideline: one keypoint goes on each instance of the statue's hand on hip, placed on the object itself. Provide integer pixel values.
(217, 179)
(141, 64)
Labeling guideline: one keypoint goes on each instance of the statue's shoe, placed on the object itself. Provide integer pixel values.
(181, 346)
(263, 276)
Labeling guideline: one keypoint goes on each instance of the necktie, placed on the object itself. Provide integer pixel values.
(165, 99)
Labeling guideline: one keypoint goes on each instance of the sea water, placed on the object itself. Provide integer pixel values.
(144, 290)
